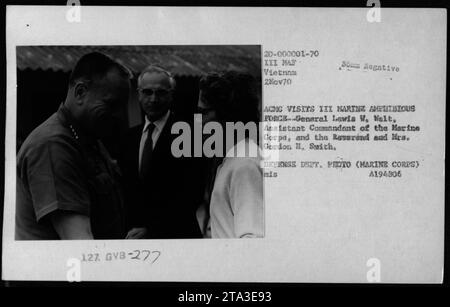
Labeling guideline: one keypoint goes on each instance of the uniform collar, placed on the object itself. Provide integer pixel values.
(77, 132)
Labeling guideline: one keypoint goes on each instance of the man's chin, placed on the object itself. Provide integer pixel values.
(152, 116)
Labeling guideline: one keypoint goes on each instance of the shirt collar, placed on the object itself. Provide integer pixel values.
(77, 132)
(159, 124)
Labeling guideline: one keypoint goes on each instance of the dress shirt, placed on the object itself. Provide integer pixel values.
(159, 126)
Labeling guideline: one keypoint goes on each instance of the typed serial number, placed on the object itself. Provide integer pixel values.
(291, 53)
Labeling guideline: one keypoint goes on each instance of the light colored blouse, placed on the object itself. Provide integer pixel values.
(237, 208)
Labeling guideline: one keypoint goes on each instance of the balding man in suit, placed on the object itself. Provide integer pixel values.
(162, 195)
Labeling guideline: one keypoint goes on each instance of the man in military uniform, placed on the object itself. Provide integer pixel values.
(67, 184)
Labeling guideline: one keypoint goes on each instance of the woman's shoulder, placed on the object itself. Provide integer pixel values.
(241, 164)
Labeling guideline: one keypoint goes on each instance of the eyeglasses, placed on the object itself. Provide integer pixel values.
(150, 92)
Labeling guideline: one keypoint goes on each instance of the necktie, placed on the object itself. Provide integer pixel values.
(147, 152)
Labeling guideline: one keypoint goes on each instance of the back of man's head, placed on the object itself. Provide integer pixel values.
(94, 66)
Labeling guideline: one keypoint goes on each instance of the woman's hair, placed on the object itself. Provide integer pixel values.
(232, 95)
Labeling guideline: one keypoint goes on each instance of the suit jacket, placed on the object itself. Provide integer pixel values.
(166, 201)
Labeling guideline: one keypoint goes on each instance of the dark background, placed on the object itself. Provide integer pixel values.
(303, 294)
(43, 73)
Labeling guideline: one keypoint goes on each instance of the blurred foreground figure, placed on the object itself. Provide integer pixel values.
(67, 184)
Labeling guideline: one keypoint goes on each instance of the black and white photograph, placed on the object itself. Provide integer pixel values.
(207, 144)
(96, 147)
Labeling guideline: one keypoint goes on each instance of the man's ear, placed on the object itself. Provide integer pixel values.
(80, 91)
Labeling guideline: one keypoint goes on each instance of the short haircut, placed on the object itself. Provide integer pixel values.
(232, 95)
(159, 70)
(96, 65)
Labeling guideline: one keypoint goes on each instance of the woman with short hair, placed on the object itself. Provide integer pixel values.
(236, 200)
